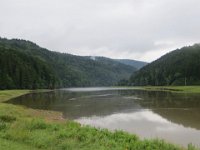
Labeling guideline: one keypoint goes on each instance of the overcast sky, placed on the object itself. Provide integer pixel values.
(135, 29)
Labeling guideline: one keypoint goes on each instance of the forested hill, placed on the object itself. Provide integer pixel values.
(179, 67)
(134, 63)
(24, 64)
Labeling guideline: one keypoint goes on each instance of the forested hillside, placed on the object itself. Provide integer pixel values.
(24, 64)
(134, 63)
(180, 67)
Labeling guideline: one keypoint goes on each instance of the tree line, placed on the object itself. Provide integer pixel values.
(179, 67)
(25, 65)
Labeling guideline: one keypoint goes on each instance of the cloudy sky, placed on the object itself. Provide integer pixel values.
(135, 29)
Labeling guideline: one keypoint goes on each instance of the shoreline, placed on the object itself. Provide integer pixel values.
(6, 95)
(25, 115)
(173, 89)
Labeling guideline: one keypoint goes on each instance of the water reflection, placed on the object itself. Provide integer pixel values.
(147, 124)
(80, 104)
(174, 117)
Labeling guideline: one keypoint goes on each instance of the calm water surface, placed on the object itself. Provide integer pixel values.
(173, 117)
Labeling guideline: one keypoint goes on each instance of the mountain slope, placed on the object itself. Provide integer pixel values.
(18, 70)
(179, 67)
(134, 63)
(65, 70)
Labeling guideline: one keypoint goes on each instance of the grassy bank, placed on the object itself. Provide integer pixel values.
(8, 94)
(22, 128)
(176, 89)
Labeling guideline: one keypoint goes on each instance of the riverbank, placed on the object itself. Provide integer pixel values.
(174, 89)
(24, 128)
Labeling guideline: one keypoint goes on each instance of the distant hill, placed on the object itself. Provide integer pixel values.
(23, 64)
(179, 67)
(134, 63)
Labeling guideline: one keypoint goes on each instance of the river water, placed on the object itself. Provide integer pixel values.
(149, 114)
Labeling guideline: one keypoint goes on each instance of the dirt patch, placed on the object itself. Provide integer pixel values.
(50, 116)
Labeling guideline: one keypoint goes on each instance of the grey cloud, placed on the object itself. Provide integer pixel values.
(137, 29)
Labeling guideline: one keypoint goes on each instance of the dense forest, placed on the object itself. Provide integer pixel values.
(179, 67)
(25, 65)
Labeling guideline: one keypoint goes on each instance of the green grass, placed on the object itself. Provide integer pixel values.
(8, 94)
(22, 129)
(176, 89)
(11, 145)
(38, 134)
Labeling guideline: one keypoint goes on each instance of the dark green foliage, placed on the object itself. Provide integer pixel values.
(180, 67)
(19, 70)
(24, 65)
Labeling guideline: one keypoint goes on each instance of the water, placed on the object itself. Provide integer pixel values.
(169, 116)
